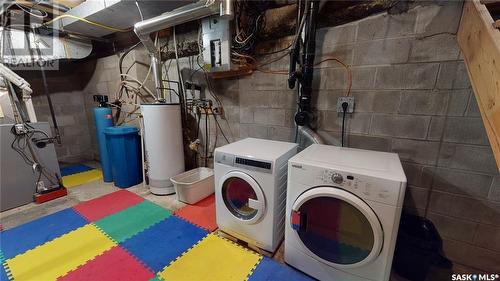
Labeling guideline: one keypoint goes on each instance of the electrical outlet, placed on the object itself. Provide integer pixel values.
(350, 102)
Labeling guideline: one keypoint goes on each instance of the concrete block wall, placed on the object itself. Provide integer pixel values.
(72, 121)
(413, 97)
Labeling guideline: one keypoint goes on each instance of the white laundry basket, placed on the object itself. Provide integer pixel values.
(194, 185)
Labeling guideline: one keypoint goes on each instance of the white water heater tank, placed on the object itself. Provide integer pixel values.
(163, 143)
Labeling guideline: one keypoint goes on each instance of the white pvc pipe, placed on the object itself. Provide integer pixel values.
(30, 109)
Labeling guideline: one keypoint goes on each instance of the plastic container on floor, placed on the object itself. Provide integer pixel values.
(194, 185)
(124, 151)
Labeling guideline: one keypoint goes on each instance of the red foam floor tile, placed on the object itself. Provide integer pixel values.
(106, 205)
(201, 214)
(114, 264)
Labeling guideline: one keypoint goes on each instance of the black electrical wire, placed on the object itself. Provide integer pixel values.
(275, 52)
(209, 86)
(343, 128)
(198, 114)
(344, 110)
(47, 93)
(220, 128)
(20, 149)
(16, 146)
(254, 13)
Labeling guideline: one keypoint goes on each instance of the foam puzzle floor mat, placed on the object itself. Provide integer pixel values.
(122, 236)
(79, 174)
(74, 169)
(201, 214)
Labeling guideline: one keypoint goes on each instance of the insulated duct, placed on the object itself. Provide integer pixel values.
(310, 135)
(178, 16)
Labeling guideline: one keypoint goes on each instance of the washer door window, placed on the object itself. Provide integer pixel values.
(243, 196)
(336, 227)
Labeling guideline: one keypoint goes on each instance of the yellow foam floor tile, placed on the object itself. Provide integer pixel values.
(59, 256)
(213, 258)
(81, 178)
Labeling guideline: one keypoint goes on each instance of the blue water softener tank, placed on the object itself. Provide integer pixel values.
(103, 119)
(124, 150)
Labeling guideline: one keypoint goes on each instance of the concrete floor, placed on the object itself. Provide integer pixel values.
(20, 215)
(23, 214)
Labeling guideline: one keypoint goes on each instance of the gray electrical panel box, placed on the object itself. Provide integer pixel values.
(216, 43)
(17, 179)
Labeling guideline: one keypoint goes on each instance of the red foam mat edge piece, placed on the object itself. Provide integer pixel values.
(201, 214)
(114, 264)
(106, 205)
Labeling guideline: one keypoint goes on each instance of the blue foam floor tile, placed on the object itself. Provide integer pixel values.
(3, 273)
(70, 170)
(269, 270)
(19, 239)
(162, 243)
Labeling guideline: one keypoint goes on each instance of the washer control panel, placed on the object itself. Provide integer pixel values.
(367, 188)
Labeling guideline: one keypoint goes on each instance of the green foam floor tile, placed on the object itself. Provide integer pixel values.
(127, 223)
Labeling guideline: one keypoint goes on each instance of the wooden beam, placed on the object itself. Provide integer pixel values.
(480, 44)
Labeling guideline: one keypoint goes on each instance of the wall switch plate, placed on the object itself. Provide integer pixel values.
(349, 100)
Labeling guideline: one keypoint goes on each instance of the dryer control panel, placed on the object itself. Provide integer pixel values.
(371, 188)
(366, 187)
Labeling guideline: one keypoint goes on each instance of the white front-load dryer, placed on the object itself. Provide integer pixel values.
(250, 190)
(342, 212)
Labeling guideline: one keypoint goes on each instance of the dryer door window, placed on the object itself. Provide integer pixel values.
(242, 196)
(336, 227)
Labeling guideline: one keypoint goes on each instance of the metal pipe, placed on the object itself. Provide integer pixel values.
(156, 68)
(226, 9)
(311, 135)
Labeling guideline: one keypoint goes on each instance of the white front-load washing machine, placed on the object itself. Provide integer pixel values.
(250, 190)
(342, 212)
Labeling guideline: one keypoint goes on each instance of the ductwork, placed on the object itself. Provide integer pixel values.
(178, 16)
(310, 135)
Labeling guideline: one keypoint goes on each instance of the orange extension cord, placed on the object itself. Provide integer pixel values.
(258, 67)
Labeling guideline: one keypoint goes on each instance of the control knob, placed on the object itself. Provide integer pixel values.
(337, 178)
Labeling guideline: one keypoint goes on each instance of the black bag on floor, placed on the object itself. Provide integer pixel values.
(417, 248)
